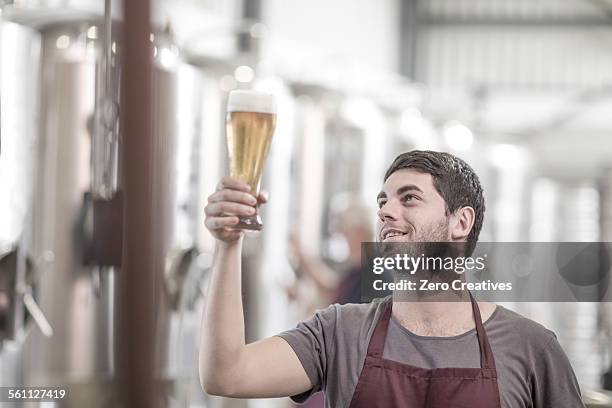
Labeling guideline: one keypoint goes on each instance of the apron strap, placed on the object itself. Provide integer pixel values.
(486, 354)
(377, 342)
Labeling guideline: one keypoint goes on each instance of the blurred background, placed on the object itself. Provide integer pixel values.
(521, 89)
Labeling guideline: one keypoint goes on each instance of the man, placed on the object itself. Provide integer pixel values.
(386, 354)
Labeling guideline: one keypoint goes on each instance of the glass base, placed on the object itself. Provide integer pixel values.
(250, 223)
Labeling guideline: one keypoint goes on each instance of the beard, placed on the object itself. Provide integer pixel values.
(434, 232)
(432, 241)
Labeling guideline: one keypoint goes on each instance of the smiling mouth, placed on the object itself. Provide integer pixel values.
(391, 235)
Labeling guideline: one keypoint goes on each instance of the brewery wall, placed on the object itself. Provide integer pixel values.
(519, 89)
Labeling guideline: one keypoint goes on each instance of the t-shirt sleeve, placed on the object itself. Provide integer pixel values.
(554, 383)
(312, 341)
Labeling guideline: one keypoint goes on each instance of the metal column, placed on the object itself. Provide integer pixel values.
(138, 282)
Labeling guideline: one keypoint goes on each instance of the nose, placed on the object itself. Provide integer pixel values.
(389, 211)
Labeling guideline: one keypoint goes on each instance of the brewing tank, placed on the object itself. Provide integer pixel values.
(19, 90)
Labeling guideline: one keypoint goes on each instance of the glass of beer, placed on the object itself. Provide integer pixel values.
(250, 123)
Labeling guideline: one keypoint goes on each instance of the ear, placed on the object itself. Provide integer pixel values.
(461, 223)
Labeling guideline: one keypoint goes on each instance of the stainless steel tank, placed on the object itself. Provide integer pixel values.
(605, 309)
(19, 89)
(75, 295)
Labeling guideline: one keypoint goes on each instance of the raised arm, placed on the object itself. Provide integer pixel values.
(228, 366)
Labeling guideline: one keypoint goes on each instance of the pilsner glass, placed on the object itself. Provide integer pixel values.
(251, 118)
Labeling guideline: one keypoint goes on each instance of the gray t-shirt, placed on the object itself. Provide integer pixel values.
(533, 371)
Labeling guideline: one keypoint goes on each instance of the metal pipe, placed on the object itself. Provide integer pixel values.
(105, 129)
(137, 289)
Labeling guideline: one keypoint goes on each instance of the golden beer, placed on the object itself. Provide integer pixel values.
(251, 119)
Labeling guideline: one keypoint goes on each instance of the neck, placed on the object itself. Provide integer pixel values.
(436, 318)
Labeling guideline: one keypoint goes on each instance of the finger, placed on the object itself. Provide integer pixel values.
(216, 223)
(227, 207)
(263, 196)
(234, 196)
(228, 182)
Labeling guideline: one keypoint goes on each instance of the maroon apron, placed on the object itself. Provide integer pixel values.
(390, 384)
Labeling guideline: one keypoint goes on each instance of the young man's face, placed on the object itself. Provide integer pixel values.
(411, 209)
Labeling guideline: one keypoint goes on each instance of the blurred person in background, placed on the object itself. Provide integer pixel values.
(385, 353)
(336, 284)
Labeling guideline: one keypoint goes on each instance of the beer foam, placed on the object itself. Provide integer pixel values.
(244, 100)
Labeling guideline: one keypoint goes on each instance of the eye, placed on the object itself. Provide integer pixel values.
(381, 203)
(409, 197)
